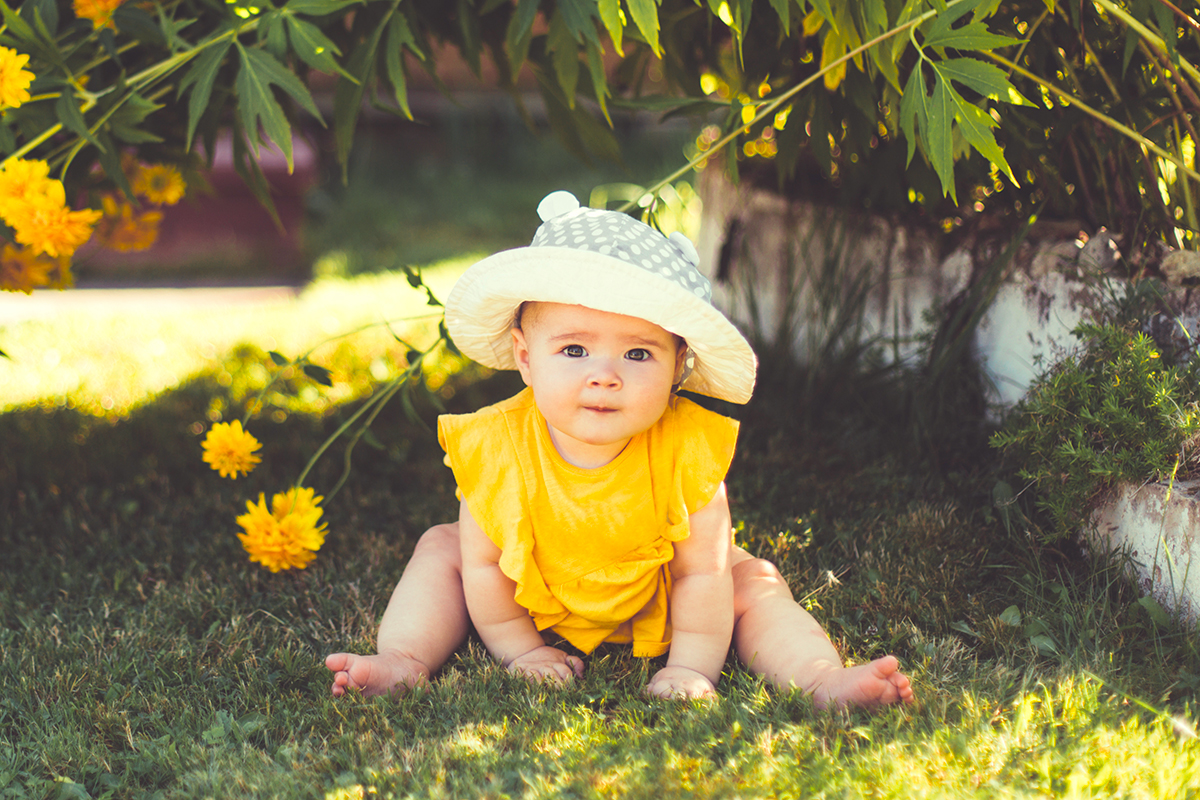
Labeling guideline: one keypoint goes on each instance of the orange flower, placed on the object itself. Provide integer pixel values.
(285, 536)
(100, 12)
(124, 229)
(14, 81)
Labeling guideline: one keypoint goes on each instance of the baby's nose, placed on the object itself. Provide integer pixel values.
(605, 376)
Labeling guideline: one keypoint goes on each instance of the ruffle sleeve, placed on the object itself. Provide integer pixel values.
(479, 450)
(704, 443)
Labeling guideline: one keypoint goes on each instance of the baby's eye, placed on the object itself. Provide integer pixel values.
(574, 351)
(638, 354)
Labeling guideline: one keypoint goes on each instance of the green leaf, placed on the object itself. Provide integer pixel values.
(599, 79)
(972, 36)
(347, 96)
(67, 109)
(45, 12)
(1011, 616)
(256, 103)
(875, 16)
(393, 58)
(125, 121)
(564, 55)
(318, 374)
(201, 77)
(24, 34)
(976, 126)
(939, 143)
(520, 31)
(1044, 644)
(468, 26)
(109, 156)
(578, 15)
(314, 47)
(251, 172)
(986, 79)
(947, 16)
(610, 15)
(170, 30)
(133, 22)
(963, 627)
(783, 10)
(279, 358)
(645, 16)
(273, 34)
(914, 109)
(317, 8)
(1155, 611)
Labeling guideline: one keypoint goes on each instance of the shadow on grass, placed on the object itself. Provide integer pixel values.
(143, 653)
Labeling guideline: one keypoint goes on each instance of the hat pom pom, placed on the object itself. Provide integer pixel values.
(685, 246)
(556, 204)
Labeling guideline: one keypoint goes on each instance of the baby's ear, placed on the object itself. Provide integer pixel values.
(681, 356)
(521, 354)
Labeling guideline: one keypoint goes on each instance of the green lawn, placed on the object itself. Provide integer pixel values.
(143, 654)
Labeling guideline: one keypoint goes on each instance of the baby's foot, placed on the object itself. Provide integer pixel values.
(373, 675)
(875, 684)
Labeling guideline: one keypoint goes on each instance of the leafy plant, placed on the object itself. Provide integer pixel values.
(1112, 412)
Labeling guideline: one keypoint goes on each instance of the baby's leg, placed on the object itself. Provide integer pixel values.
(425, 621)
(775, 637)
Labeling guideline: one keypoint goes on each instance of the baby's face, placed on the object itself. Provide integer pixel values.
(598, 378)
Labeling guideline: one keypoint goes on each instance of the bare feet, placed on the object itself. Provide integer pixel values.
(878, 683)
(374, 675)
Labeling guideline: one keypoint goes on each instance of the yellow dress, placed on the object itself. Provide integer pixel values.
(589, 548)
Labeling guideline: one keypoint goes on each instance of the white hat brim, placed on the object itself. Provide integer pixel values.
(482, 306)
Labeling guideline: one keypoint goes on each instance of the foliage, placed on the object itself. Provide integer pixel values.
(939, 104)
(1113, 412)
(1090, 106)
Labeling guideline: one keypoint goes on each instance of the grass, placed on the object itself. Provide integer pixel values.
(105, 363)
(144, 655)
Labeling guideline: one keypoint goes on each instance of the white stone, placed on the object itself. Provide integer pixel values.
(1156, 527)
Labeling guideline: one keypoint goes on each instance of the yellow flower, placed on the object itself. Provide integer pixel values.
(35, 206)
(285, 536)
(20, 181)
(125, 229)
(159, 183)
(47, 226)
(22, 271)
(100, 12)
(14, 81)
(229, 450)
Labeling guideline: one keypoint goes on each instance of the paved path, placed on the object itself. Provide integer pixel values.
(17, 307)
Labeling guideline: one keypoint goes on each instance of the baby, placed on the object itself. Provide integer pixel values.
(593, 503)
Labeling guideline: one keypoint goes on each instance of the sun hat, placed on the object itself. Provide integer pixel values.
(607, 261)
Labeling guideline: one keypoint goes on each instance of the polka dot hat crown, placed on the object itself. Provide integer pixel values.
(610, 262)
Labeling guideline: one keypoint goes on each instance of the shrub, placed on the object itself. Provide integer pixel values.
(1114, 411)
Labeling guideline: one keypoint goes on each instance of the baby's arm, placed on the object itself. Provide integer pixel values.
(701, 606)
(504, 625)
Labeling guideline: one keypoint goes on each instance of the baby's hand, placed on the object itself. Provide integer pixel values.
(680, 682)
(547, 664)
